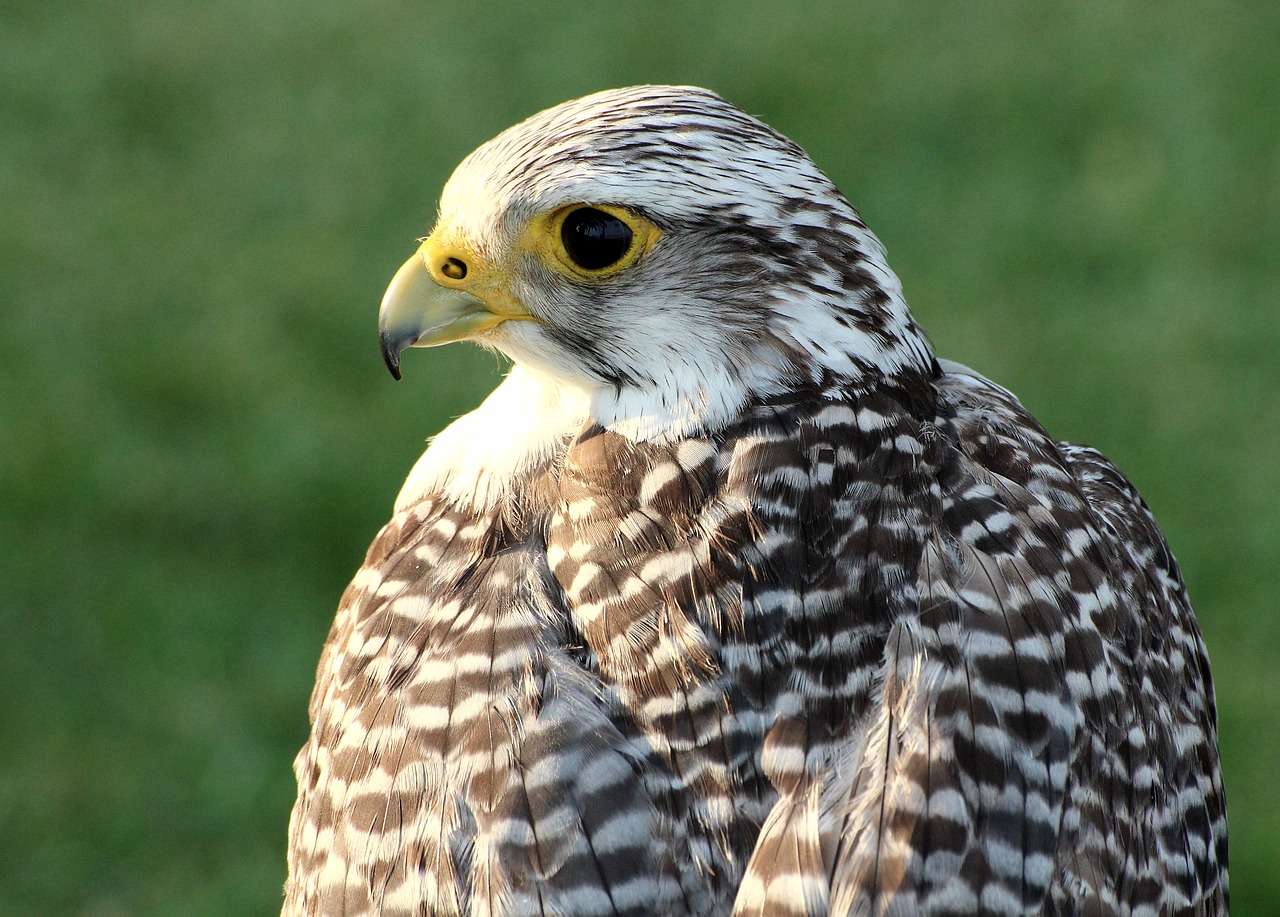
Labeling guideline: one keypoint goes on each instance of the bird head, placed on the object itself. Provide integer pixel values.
(659, 250)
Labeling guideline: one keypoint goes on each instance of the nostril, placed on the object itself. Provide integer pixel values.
(453, 268)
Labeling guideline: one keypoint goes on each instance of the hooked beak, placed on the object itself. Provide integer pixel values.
(418, 311)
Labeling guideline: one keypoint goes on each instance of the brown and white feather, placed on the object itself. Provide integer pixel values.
(734, 600)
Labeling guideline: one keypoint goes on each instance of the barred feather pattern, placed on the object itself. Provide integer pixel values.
(733, 600)
(891, 651)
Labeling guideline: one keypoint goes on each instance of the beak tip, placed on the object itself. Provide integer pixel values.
(391, 356)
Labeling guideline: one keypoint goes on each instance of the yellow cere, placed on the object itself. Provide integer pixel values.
(456, 265)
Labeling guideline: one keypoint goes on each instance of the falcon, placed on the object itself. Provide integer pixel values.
(732, 598)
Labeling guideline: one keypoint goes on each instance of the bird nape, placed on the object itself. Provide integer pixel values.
(732, 598)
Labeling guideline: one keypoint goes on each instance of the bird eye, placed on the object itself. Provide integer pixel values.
(594, 239)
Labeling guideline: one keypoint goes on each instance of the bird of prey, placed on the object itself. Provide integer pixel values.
(733, 598)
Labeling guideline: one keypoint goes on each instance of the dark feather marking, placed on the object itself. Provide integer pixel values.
(800, 586)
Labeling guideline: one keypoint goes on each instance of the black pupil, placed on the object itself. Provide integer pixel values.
(594, 239)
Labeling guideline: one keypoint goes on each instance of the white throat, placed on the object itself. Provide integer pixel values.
(476, 460)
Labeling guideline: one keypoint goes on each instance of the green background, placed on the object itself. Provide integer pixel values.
(201, 204)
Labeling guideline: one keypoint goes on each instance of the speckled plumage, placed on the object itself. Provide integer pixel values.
(734, 599)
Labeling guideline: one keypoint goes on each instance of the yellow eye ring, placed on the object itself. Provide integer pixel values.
(597, 240)
(594, 239)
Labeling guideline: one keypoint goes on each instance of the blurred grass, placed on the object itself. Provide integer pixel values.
(200, 205)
